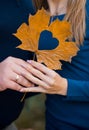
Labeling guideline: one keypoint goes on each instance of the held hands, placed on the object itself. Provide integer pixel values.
(19, 75)
(13, 74)
(47, 80)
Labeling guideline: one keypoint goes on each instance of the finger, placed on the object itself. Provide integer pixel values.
(26, 79)
(23, 64)
(34, 89)
(28, 76)
(40, 75)
(24, 73)
(19, 61)
(14, 86)
(36, 80)
(23, 81)
(19, 69)
(42, 68)
(20, 80)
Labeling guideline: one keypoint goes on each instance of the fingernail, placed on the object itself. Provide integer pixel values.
(21, 90)
(29, 61)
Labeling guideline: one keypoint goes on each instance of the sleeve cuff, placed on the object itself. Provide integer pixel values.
(77, 90)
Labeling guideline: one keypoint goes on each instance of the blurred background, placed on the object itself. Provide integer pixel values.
(33, 114)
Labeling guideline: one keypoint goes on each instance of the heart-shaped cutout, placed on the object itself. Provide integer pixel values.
(47, 41)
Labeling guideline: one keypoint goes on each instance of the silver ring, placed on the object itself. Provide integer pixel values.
(17, 77)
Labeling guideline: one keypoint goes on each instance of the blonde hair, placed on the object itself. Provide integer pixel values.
(75, 15)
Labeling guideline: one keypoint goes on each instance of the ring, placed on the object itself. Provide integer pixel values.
(17, 77)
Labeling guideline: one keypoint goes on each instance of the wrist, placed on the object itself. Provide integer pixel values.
(63, 85)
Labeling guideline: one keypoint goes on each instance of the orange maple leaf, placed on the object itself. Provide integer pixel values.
(30, 34)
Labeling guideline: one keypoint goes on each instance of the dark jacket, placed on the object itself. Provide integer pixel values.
(12, 14)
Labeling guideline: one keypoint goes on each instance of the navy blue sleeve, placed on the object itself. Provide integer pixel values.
(77, 90)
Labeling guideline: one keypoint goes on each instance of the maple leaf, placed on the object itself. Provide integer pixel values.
(61, 30)
(39, 21)
(29, 34)
(28, 37)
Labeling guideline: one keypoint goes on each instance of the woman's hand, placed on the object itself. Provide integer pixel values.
(48, 81)
(13, 74)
